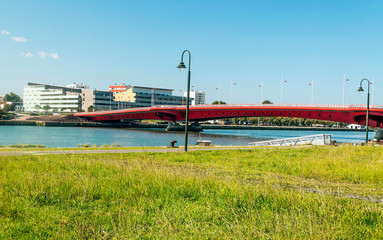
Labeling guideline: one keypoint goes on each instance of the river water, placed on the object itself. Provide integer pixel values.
(73, 136)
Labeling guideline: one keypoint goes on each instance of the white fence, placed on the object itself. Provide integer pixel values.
(319, 139)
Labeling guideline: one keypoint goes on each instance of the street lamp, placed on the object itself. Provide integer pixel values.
(182, 67)
(360, 90)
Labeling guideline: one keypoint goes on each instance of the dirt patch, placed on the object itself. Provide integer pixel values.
(60, 118)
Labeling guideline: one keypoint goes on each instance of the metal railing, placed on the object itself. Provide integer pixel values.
(319, 139)
(337, 106)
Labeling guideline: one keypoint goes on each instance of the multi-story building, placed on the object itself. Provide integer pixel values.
(197, 96)
(78, 97)
(145, 96)
(74, 97)
(39, 95)
(100, 100)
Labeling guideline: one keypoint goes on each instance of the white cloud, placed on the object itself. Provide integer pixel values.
(5, 32)
(19, 39)
(28, 54)
(54, 55)
(43, 54)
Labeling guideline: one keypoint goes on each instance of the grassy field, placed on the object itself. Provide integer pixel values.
(287, 193)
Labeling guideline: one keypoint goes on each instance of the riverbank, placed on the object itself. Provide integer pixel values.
(274, 193)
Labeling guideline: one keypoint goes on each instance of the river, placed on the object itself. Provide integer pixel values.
(73, 136)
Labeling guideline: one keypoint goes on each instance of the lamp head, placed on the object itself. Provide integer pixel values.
(181, 66)
(360, 90)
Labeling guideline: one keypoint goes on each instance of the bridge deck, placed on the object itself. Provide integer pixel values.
(331, 112)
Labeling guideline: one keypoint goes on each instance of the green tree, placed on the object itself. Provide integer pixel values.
(37, 107)
(12, 97)
(285, 121)
(90, 108)
(308, 122)
(293, 122)
(267, 102)
(9, 107)
(46, 108)
(277, 121)
(218, 102)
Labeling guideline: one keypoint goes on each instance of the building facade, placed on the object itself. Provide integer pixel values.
(78, 97)
(39, 95)
(71, 98)
(145, 96)
(197, 96)
(94, 100)
(118, 88)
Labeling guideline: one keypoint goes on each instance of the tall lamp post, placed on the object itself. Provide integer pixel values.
(368, 103)
(181, 67)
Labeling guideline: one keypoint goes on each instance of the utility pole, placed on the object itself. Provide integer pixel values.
(219, 95)
(282, 82)
(231, 89)
(261, 86)
(110, 101)
(373, 90)
(344, 85)
(312, 91)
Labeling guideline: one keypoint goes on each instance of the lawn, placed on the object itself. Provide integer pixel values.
(273, 193)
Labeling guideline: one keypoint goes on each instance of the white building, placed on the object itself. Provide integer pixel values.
(198, 97)
(72, 98)
(76, 85)
(145, 96)
(38, 95)
(355, 126)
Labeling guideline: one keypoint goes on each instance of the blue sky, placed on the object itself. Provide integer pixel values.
(102, 43)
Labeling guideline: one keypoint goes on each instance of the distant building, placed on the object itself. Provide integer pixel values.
(18, 105)
(145, 96)
(38, 95)
(78, 97)
(80, 86)
(98, 100)
(355, 126)
(198, 97)
(118, 88)
(72, 98)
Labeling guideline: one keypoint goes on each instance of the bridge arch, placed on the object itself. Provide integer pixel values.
(337, 113)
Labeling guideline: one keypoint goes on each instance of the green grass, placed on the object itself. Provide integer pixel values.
(82, 147)
(85, 147)
(289, 193)
(23, 146)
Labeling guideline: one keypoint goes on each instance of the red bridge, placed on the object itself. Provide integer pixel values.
(337, 113)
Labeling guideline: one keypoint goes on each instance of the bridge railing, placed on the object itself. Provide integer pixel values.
(318, 139)
(335, 106)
